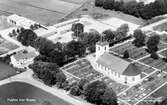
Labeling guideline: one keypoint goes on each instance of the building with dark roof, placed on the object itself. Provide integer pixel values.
(115, 67)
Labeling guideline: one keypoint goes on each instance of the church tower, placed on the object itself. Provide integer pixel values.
(101, 48)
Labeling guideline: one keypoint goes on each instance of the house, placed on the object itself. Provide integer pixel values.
(23, 58)
(115, 67)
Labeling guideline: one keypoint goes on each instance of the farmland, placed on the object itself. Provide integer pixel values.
(45, 12)
(16, 90)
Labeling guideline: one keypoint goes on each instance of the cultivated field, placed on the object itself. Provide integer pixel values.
(16, 90)
(47, 12)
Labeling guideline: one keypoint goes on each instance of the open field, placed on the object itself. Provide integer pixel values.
(99, 13)
(45, 12)
(6, 71)
(19, 90)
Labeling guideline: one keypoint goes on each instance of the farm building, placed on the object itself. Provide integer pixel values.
(114, 67)
(23, 58)
(20, 21)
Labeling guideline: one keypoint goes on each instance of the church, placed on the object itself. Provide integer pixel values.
(115, 67)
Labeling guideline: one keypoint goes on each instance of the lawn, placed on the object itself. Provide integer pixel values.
(6, 71)
(46, 12)
(99, 13)
(6, 46)
(19, 90)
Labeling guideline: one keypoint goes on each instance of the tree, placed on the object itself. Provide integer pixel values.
(109, 35)
(82, 83)
(47, 72)
(77, 28)
(126, 54)
(27, 37)
(123, 30)
(47, 103)
(97, 93)
(74, 48)
(154, 55)
(57, 57)
(75, 91)
(99, 3)
(140, 37)
(60, 77)
(42, 58)
(109, 97)
(152, 43)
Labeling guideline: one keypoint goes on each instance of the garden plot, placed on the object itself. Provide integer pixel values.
(159, 63)
(163, 37)
(163, 53)
(145, 69)
(6, 46)
(83, 69)
(134, 52)
(140, 91)
(117, 87)
(71, 79)
(162, 46)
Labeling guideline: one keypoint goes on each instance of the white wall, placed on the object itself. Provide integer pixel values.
(118, 77)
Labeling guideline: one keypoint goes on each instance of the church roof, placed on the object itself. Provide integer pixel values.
(118, 65)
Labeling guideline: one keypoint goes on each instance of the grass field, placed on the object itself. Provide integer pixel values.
(47, 12)
(99, 13)
(6, 71)
(19, 90)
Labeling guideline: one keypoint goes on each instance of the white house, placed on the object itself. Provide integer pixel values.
(114, 67)
(23, 59)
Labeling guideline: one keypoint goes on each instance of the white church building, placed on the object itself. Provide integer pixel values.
(115, 67)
